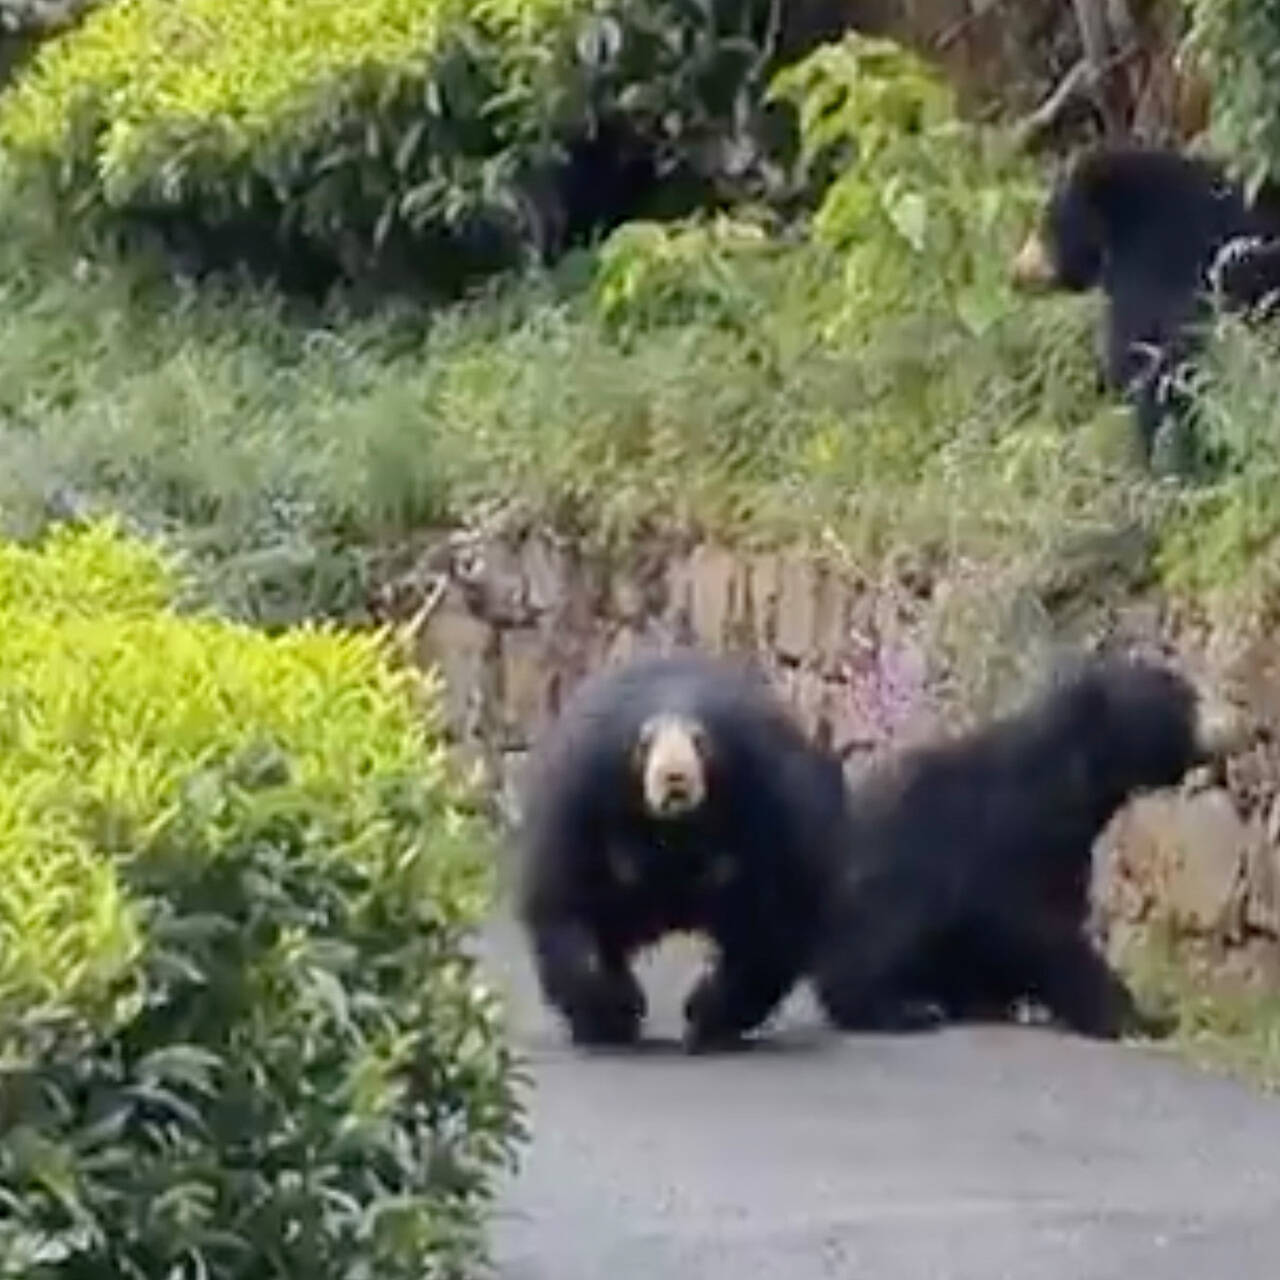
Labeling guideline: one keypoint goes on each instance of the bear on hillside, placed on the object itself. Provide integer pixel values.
(968, 885)
(1153, 229)
(675, 794)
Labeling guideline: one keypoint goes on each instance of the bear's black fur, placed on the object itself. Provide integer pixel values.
(968, 885)
(1147, 226)
(746, 856)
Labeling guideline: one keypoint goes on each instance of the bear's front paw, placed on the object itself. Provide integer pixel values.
(709, 1020)
(608, 1011)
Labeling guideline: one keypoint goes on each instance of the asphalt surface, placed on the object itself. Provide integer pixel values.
(983, 1152)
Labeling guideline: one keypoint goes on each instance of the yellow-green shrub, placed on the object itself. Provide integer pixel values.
(222, 76)
(345, 122)
(242, 1032)
(429, 135)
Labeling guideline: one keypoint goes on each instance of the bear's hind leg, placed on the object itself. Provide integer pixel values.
(1079, 987)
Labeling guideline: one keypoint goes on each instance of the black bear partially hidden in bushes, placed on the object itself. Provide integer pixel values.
(968, 885)
(675, 794)
(1153, 228)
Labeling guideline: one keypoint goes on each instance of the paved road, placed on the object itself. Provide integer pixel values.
(984, 1153)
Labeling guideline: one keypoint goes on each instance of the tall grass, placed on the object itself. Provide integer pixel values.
(281, 450)
(1221, 540)
(221, 418)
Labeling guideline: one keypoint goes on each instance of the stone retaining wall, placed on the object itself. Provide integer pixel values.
(513, 619)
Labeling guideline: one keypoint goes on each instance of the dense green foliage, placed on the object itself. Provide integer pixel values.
(242, 1033)
(921, 187)
(424, 138)
(1226, 533)
(876, 383)
(745, 396)
(1239, 42)
(329, 121)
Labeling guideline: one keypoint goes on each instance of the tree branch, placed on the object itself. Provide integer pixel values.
(1078, 81)
(1083, 79)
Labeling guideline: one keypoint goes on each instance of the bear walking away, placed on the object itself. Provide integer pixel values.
(968, 886)
(1159, 232)
(675, 794)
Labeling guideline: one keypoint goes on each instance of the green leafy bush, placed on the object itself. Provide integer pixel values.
(920, 224)
(428, 137)
(241, 1029)
(711, 374)
(1221, 539)
(651, 274)
(1238, 42)
(331, 123)
(925, 205)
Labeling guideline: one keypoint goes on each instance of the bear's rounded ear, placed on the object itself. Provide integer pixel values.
(1067, 667)
(1078, 690)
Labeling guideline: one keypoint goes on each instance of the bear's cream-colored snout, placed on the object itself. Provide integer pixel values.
(1033, 267)
(1222, 727)
(673, 755)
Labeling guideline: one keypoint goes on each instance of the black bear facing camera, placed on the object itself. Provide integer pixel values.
(1147, 226)
(675, 794)
(968, 885)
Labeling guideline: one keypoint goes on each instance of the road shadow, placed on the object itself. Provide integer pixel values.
(767, 1043)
